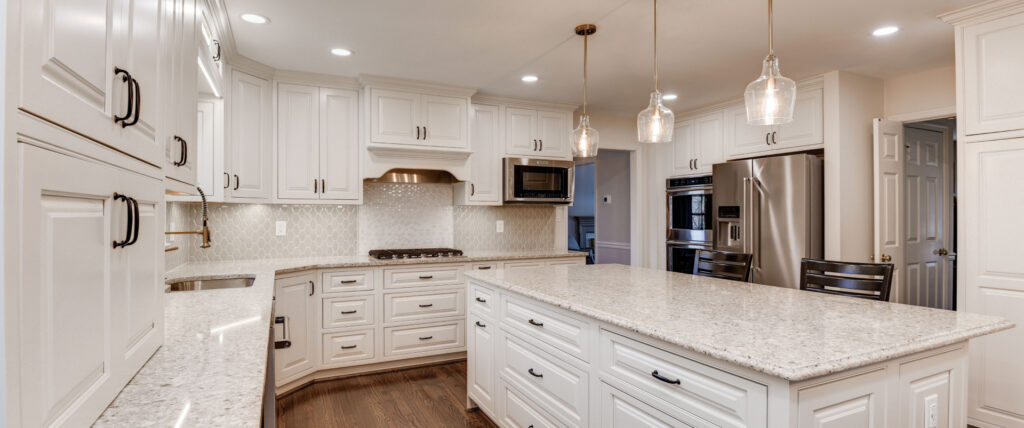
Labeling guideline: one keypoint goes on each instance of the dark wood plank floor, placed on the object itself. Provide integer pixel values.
(425, 397)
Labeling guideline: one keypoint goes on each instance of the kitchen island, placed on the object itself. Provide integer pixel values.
(613, 345)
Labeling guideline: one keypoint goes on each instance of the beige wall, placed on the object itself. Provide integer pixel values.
(930, 92)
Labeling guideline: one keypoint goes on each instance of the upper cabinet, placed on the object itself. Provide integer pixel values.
(990, 76)
(486, 137)
(805, 132)
(249, 153)
(429, 118)
(697, 143)
(537, 133)
(100, 80)
(317, 143)
(179, 136)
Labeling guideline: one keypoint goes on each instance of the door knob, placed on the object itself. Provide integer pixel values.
(942, 252)
(886, 258)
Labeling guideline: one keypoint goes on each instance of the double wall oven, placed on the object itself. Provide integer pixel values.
(689, 220)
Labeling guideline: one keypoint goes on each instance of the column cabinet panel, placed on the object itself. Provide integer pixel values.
(484, 185)
(519, 131)
(298, 141)
(250, 149)
(293, 327)
(339, 145)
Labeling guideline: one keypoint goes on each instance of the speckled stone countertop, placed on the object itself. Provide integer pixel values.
(788, 333)
(211, 368)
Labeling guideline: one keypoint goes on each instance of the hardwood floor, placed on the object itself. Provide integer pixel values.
(423, 397)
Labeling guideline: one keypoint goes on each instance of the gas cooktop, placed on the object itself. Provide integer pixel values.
(414, 253)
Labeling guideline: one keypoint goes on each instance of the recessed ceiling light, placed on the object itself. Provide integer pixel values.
(885, 31)
(254, 18)
(669, 97)
(529, 78)
(341, 52)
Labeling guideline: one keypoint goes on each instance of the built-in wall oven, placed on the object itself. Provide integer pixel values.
(690, 225)
(538, 181)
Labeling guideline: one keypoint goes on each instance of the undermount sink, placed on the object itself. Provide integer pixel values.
(211, 284)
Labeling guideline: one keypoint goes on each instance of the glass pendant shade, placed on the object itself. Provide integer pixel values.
(656, 122)
(585, 139)
(771, 97)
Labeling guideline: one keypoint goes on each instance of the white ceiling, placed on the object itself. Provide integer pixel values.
(709, 49)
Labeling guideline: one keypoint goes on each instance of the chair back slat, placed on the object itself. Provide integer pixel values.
(722, 264)
(863, 280)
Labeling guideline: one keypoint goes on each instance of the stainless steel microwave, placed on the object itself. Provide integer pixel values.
(538, 181)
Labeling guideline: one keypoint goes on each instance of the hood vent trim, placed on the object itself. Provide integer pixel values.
(414, 176)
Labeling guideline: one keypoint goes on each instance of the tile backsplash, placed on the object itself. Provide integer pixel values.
(391, 216)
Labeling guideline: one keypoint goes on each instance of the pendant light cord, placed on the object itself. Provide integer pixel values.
(771, 30)
(656, 45)
(585, 36)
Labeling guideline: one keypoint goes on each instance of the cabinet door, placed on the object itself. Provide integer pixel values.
(66, 230)
(485, 162)
(709, 138)
(553, 134)
(184, 93)
(682, 146)
(520, 131)
(481, 373)
(210, 148)
(249, 154)
(141, 29)
(743, 139)
(298, 141)
(339, 145)
(394, 117)
(858, 401)
(621, 410)
(807, 127)
(991, 77)
(444, 121)
(294, 303)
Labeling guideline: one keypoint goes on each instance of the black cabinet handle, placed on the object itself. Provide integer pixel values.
(534, 145)
(472, 189)
(349, 347)
(312, 288)
(417, 133)
(130, 217)
(426, 305)
(131, 95)
(773, 138)
(479, 324)
(236, 182)
(135, 213)
(348, 312)
(484, 268)
(538, 324)
(766, 135)
(481, 300)
(347, 281)
(535, 374)
(282, 344)
(541, 145)
(424, 132)
(227, 180)
(216, 57)
(426, 276)
(138, 104)
(323, 186)
(315, 184)
(426, 337)
(184, 151)
(665, 379)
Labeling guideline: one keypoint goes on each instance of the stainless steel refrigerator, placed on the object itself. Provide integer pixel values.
(772, 208)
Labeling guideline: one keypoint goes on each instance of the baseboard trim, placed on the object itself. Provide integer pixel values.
(367, 369)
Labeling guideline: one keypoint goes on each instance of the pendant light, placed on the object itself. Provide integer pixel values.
(656, 122)
(585, 138)
(771, 97)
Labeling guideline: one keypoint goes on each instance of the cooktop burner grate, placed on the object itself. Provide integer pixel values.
(414, 253)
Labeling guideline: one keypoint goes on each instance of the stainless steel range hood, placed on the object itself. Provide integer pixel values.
(402, 175)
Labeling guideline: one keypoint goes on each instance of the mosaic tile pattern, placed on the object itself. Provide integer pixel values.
(405, 216)
(177, 213)
(527, 227)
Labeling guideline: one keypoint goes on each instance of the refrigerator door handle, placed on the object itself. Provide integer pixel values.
(756, 235)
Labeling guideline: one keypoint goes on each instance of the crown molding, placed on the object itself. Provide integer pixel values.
(983, 11)
(326, 80)
(522, 103)
(414, 85)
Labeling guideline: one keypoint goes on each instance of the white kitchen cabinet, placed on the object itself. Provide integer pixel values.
(317, 143)
(484, 186)
(708, 141)
(989, 76)
(69, 71)
(89, 314)
(620, 410)
(418, 119)
(482, 379)
(858, 401)
(805, 132)
(249, 151)
(537, 133)
(294, 325)
(179, 135)
(683, 147)
(742, 138)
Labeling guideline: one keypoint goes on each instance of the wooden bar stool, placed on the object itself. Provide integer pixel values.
(863, 280)
(722, 264)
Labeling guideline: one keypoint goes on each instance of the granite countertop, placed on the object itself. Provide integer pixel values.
(788, 333)
(211, 368)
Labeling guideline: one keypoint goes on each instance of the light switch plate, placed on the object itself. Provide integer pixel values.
(499, 226)
(282, 228)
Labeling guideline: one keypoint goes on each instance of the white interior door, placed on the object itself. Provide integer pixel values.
(925, 281)
(298, 141)
(889, 149)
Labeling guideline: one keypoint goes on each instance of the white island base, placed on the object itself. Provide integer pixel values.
(537, 364)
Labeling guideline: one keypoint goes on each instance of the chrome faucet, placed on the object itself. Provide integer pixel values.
(205, 232)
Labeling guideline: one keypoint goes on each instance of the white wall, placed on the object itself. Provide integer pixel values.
(923, 94)
(3, 132)
(613, 217)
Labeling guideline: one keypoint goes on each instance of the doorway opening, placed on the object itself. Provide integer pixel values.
(582, 228)
(602, 209)
(915, 209)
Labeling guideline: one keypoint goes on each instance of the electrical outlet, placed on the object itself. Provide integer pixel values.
(282, 228)
(499, 226)
(607, 199)
(931, 412)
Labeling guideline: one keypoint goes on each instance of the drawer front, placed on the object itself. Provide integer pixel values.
(559, 387)
(423, 276)
(447, 337)
(692, 388)
(339, 312)
(343, 348)
(567, 334)
(621, 410)
(482, 299)
(484, 266)
(568, 262)
(520, 413)
(348, 281)
(418, 306)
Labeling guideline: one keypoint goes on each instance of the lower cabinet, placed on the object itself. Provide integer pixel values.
(619, 409)
(347, 347)
(294, 316)
(518, 411)
(480, 378)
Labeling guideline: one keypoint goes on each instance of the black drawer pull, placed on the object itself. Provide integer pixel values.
(664, 379)
(426, 305)
(426, 276)
(481, 300)
(347, 281)
(282, 344)
(538, 324)
(348, 312)
(426, 337)
(349, 347)
(484, 268)
(479, 324)
(534, 373)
